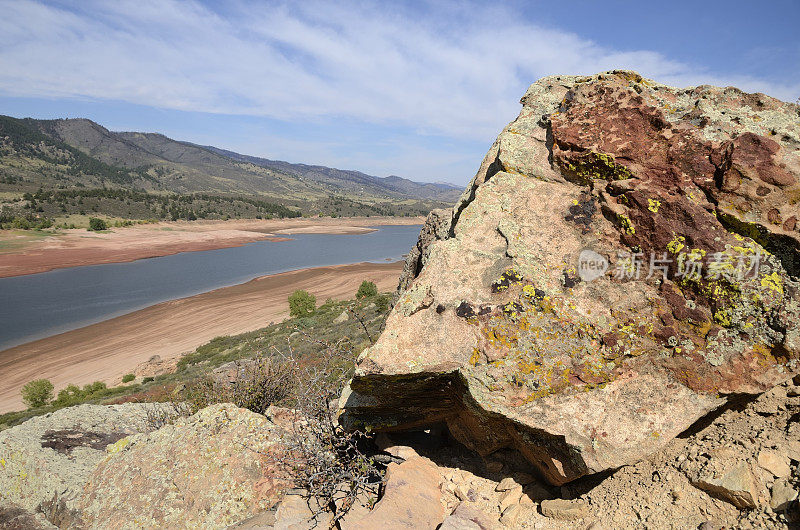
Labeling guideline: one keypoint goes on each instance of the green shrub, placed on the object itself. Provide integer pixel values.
(95, 387)
(367, 289)
(148, 380)
(70, 394)
(97, 224)
(37, 393)
(21, 222)
(127, 378)
(302, 303)
(382, 302)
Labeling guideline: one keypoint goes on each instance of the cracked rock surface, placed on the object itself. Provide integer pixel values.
(501, 336)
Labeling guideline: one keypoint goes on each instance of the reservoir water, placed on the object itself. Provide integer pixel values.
(40, 305)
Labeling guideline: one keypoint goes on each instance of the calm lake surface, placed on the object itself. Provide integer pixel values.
(40, 305)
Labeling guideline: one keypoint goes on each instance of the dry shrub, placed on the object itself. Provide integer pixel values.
(259, 383)
(318, 456)
(327, 462)
(165, 413)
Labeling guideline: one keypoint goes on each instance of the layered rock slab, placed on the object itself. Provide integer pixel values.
(504, 336)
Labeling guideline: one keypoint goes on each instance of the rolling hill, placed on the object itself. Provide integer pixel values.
(348, 181)
(130, 173)
(165, 164)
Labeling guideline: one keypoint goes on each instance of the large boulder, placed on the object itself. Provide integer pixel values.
(528, 326)
(47, 460)
(210, 470)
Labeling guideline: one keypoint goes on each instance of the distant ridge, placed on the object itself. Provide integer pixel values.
(154, 162)
(337, 177)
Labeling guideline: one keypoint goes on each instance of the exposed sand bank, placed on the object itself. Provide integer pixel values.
(29, 253)
(107, 350)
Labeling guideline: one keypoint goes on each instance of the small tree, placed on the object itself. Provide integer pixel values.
(367, 289)
(37, 393)
(302, 303)
(96, 224)
(93, 388)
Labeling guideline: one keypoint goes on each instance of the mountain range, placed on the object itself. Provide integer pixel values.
(67, 153)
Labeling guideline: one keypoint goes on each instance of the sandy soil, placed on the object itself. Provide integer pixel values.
(107, 350)
(29, 253)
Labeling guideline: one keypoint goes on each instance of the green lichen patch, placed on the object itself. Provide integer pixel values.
(533, 345)
(626, 224)
(586, 167)
(507, 279)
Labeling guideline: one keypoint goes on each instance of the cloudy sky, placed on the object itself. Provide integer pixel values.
(414, 89)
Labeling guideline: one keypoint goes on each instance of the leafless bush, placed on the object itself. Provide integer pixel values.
(362, 319)
(161, 414)
(321, 458)
(255, 386)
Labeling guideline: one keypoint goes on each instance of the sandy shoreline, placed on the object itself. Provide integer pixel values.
(30, 253)
(107, 350)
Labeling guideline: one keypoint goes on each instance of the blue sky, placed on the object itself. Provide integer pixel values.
(415, 89)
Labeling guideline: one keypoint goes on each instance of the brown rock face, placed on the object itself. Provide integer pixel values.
(437, 226)
(624, 260)
(412, 498)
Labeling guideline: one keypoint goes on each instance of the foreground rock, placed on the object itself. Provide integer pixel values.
(412, 498)
(734, 483)
(201, 472)
(95, 466)
(507, 338)
(48, 459)
(210, 470)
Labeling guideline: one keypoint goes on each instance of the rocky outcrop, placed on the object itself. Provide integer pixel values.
(94, 466)
(436, 227)
(696, 481)
(47, 459)
(412, 498)
(560, 315)
(155, 365)
(210, 470)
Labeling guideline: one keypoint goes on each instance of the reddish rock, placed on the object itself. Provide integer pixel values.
(501, 337)
(412, 498)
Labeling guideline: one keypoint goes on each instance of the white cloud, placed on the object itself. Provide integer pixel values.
(433, 69)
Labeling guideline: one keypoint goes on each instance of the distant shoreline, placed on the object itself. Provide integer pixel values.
(107, 350)
(32, 253)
